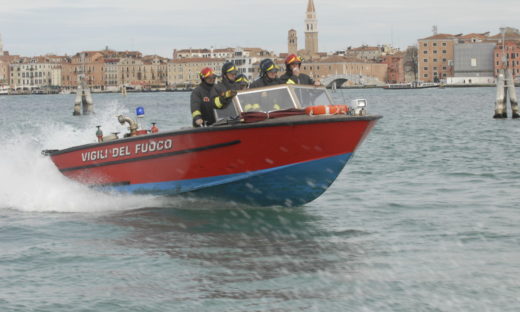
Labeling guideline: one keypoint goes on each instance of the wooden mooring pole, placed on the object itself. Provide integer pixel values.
(505, 87)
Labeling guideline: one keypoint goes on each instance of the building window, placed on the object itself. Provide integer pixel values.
(435, 60)
(425, 75)
(434, 51)
(435, 44)
(444, 51)
(425, 68)
(425, 60)
(425, 44)
(425, 52)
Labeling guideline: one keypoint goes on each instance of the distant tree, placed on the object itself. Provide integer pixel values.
(411, 62)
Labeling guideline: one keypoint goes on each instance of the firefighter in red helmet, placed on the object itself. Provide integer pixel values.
(292, 72)
(201, 106)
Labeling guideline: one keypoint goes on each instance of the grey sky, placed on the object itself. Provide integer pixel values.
(35, 27)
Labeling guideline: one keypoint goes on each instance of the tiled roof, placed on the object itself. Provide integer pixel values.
(474, 35)
(364, 48)
(197, 60)
(204, 50)
(339, 59)
(508, 36)
(440, 36)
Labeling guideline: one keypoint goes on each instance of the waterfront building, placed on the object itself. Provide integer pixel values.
(90, 64)
(203, 53)
(110, 70)
(395, 69)
(435, 57)
(369, 53)
(365, 52)
(34, 73)
(184, 72)
(5, 60)
(507, 44)
(155, 71)
(311, 29)
(511, 50)
(473, 62)
(130, 71)
(247, 60)
(4, 72)
(339, 65)
(129, 68)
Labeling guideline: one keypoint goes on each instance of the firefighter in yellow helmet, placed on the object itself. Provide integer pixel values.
(226, 89)
(268, 74)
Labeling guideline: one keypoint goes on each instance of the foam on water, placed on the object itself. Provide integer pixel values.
(31, 181)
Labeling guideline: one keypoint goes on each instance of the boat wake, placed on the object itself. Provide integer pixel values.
(31, 181)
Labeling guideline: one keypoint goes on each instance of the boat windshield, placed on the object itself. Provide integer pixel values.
(310, 96)
(274, 98)
(265, 100)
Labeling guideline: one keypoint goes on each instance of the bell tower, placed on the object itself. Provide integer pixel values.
(311, 29)
(292, 42)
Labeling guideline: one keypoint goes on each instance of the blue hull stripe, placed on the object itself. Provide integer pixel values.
(289, 185)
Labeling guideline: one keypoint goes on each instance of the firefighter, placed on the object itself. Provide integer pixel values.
(292, 72)
(268, 74)
(201, 106)
(226, 89)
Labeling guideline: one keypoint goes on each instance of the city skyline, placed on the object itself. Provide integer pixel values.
(157, 27)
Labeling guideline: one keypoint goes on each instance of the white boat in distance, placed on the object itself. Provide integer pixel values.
(411, 85)
(4, 90)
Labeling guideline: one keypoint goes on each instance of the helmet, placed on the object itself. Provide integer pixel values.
(267, 65)
(229, 68)
(241, 79)
(293, 58)
(206, 72)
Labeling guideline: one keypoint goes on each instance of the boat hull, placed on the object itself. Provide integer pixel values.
(287, 162)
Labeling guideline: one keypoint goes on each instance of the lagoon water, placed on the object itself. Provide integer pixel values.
(425, 217)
